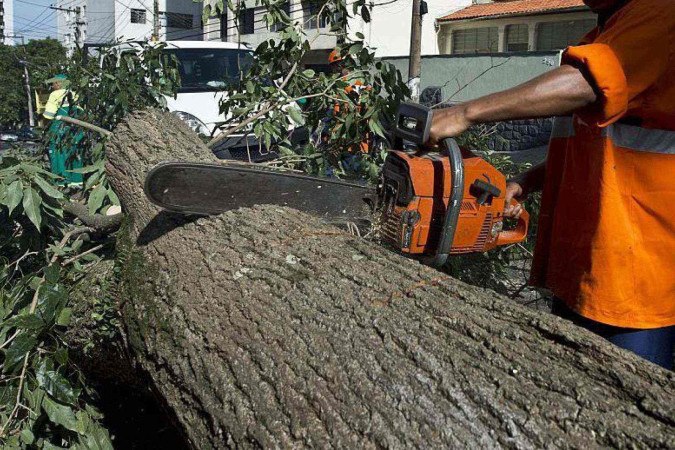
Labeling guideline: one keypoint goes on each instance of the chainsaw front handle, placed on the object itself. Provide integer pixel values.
(454, 203)
(520, 233)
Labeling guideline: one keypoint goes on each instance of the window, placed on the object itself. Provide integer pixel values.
(475, 40)
(516, 38)
(311, 10)
(177, 20)
(247, 21)
(207, 70)
(223, 26)
(137, 16)
(285, 8)
(558, 35)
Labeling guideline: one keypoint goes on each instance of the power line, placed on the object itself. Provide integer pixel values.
(30, 3)
(30, 27)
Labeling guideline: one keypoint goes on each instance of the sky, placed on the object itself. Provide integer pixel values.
(34, 20)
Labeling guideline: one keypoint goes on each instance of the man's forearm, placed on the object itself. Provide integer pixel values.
(558, 92)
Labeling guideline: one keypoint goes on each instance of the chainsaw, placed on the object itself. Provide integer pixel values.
(432, 204)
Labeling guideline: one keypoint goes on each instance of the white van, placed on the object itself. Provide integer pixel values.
(205, 67)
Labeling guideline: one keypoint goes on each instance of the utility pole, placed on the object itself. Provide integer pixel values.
(155, 20)
(79, 27)
(26, 82)
(79, 32)
(26, 79)
(415, 61)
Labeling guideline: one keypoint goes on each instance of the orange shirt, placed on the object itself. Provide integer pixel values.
(606, 241)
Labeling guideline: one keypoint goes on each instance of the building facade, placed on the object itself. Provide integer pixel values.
(514, 26)
(388, 31)
(102, 21)
(7, 22)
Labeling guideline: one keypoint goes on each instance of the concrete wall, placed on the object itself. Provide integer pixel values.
(388, 32)
(465, 77)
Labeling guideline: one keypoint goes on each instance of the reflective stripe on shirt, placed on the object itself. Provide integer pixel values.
(630, 137)
(641, 139)
(562, 127)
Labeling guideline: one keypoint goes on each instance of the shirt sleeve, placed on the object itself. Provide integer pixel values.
(53, 104)
(626, 58)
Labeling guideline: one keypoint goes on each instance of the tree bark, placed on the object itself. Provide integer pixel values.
(266, 327)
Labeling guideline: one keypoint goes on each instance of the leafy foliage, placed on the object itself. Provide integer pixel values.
(42, 395)
(341, 111)
(44, 400)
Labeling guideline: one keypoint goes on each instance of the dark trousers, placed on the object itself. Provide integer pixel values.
(655, 344)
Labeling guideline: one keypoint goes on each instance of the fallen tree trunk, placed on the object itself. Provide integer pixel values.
(266, 327)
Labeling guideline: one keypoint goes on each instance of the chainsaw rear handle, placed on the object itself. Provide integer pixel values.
(520, 233)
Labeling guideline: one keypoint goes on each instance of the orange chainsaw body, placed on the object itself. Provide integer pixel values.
(415, 192)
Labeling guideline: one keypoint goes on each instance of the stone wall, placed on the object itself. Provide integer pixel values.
(519, 135)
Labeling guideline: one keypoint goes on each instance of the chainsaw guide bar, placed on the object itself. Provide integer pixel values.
(207, 189)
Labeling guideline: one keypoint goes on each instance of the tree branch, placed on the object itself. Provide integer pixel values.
(98, 222)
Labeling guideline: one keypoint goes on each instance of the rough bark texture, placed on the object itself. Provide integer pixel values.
(266, 327)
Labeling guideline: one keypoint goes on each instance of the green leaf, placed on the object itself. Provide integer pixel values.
(114, 199)
(96, 198)
(355, 48)
(17, 350)
(88, 169)
(7, 394)
(365, 13)
(27, 436)
(52, 274)
(26, 321)
(376, 128)
(206, 13)
(48, 188)
(309, 73)
(55, 384)
(93, 435)
(61, 355)
(53, 299)
(14, 195)
(60, 414)
(359, 35)
(64, 317)
(296, 116)
(31, 206)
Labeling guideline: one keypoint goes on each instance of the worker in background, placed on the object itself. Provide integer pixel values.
(606, 240)
(62, 144)
(353, 91)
